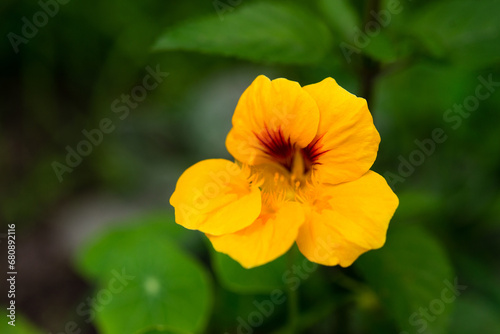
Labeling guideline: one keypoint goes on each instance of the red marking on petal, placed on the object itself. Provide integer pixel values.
(313, 152)
(277, 147)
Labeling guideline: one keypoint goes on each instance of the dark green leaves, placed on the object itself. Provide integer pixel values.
(413, 278)
(359, 37)
(145, 280)
(474, 315)
(260, 32)
(341, 15)
(465, 31)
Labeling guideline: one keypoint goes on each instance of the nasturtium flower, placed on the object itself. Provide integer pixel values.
(301, 175)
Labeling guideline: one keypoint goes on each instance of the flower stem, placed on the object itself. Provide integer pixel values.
(293, 311)
(293, 299)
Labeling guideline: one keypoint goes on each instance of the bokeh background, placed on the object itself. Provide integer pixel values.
(430, 71)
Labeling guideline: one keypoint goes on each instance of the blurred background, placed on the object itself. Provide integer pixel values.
(105, 104)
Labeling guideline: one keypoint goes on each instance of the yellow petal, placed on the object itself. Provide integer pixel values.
(346, 144)
(269, 237)
(271, 119)
(216, 197)
(347, 219)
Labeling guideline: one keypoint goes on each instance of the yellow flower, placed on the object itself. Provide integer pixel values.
(301, 175)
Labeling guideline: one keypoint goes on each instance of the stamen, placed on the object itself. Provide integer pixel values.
(297, 161)
(253, 178)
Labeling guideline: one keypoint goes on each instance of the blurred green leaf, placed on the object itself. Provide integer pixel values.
(22, 326)
(343, 18)
(260, 32)
(474, 315)
(414, 204)
(420, 94)
(93, 263)
(409, 274)
(341, 15)
(263, 279)
(381, 48)
(160, 330)
(480, 273)
(465, 31)
(161, 285)
(494, 213)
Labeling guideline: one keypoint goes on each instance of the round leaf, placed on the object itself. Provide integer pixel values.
(145, 280)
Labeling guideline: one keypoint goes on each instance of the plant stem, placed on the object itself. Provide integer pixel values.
(293, 310)
(293, 299)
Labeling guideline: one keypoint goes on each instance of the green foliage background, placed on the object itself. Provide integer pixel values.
(415, 62)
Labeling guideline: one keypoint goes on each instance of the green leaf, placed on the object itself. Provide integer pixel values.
(466, 31)
(160, 330)
(413, 95)
(409, 274)
(141, 272)
(417, 203)
(478, 271)
(474, 315)
(260, 32)
(341, 15)
(381, 48)
(345, 20)
(263, 279)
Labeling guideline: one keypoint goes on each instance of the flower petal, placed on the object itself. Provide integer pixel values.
(270, 236)
(346, 144)
(347, 219)
(271, 118)
(216, 197)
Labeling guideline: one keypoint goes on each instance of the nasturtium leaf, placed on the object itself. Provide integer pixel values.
(465, 31)
(144, 279)
(409, 275)
(263, 279)
(341, 16)
(265, 32)
(356, 36)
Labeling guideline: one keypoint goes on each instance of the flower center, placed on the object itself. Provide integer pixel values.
(276, 147)
(297, 161)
